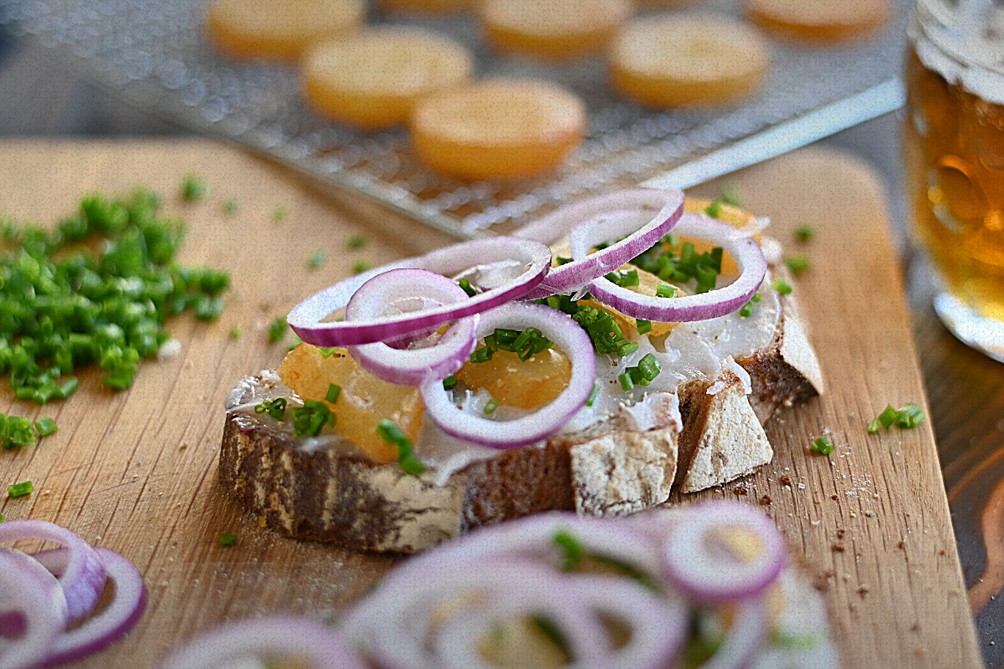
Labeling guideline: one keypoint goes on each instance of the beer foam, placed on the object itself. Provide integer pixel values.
(964, 45)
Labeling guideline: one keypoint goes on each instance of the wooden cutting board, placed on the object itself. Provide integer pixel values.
(137, 471)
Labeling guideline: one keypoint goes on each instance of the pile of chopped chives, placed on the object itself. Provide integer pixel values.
(96, 289)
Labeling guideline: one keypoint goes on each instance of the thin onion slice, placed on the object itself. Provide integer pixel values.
(636, 218)
(274, 637)
(728, 551)
(400, 623)
(458, 643)
(106, 626)
(84, 576)
(744, 638)
(33, 597)
(699, 306)
(530, 259)
(544, 421)
(657, 624)
(404, 290)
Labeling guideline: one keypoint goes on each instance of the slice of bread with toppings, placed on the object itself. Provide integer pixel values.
(697, 422)
(326, 489)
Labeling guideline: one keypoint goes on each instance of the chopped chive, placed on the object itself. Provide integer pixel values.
(592, 394)
(333, 392)
(390, 432)
(280, 213)
(450, 382)
(236, 332)
(2, 518)
(356, 242)
(277, 329)
(491, 406)
(360, 266)
(804, 232)
(276, 408)
(317, 259)
(468, 288)
(822, 445)
(910, 415)
(627, 383)
(665, 290)
(572, 550)
(714, 210)
(228, 539)
(20, 489)
(310, 419)
(746, 310)
(782, 286)
(45, 426)
(643, 326)
(193, 188)
(797, 264)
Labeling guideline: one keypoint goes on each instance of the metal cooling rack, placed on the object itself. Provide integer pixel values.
(154, 55)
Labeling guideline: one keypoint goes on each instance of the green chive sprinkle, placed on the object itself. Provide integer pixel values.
(228, 539)
(782, 286)
(95, 289)
(804, 232)
(592, 394)
(356, 242)
(643, 326)
(317, 259)
(280, 213)
(236, 332)
(193, 188)
(277, 329)
(45, 426)
(450, 382)
(310, 419)
(797, 264)
(395, 436)
(665, 290)
(276, 408)
(491, 406)
(20, 489)
(822, 445)
(908, 416)
(360, 266)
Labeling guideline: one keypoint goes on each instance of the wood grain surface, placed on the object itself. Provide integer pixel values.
(136, 471)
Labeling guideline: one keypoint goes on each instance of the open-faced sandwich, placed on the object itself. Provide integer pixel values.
(702, 585)
(612, 352)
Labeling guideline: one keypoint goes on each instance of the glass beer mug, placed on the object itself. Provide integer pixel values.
(954, 145)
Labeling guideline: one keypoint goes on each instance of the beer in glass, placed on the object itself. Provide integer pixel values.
(954, 143)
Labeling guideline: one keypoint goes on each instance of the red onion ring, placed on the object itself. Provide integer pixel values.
(544, 421)
(411, 366)
(651, 644)
(701, 566)
(641, 216)
(398, 623)
(457, 641)
(84, 576)
(104, 628)
(745, 636)
(699, 306)
(33, 592)
(251, 639)
(307, 318)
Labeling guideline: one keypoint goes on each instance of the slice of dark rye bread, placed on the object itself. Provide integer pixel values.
(331, 492)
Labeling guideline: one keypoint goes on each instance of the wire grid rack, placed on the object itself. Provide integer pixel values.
(154, 55)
